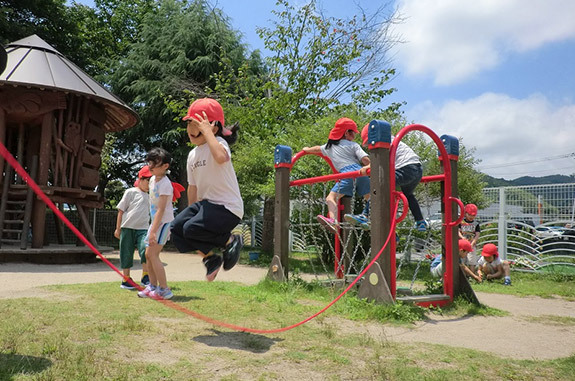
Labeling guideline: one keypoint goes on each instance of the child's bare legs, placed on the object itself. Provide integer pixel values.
(156, 270)
(332, 200)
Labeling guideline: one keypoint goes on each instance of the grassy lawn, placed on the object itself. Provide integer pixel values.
(101, 332)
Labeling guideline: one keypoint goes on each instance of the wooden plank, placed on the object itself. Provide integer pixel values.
(423, 298)
(28, 208)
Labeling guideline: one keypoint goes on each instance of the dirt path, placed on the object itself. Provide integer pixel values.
(535, 328)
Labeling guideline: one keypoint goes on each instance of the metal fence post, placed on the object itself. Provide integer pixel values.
(502, 229)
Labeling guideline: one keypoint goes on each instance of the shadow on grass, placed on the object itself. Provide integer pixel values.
(12, 365)
(238, 340)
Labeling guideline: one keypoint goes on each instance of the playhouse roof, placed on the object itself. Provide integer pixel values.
(33, 63)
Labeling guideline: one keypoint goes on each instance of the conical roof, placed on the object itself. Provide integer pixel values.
(32, 62)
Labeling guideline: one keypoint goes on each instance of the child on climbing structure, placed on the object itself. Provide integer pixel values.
(492, 266)
(470, 230)
(132, 225)
(346, 156)
(436, 266)
(215, 205)
(408, 173)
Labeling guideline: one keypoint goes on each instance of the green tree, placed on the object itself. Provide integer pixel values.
(180, 46)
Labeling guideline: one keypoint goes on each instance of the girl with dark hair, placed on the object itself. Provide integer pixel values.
(215, 205)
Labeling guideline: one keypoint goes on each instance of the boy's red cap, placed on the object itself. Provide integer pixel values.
(364, 132)
(465, 245)
(341, 126)
(471, 209)
(211, 107)
(144, 172)
(489, 249)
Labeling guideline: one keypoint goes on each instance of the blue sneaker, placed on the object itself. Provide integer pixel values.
(145, 280)
(161, 293)
(507, 281)
(358, 220)
(421, 225)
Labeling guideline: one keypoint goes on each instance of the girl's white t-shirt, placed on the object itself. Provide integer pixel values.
(161, 188)
(135, 204)
(344, 154)
(216, 183)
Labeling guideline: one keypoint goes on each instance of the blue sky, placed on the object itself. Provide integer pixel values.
(498, 74)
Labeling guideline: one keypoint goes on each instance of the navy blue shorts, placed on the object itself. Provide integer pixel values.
(203, 226)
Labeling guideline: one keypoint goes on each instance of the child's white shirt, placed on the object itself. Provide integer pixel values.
(216, 183)
(135, 204)
(161, 188)
(494, 264)
(344, 154)
(404, 155)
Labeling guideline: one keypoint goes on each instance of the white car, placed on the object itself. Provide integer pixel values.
(543, 232)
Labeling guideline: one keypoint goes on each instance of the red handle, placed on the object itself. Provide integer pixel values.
(405, 206)
(461, 215)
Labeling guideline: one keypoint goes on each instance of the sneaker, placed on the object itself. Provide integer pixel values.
(231, 253)
(127, 285)
(213, 264)
(358, 220)
(507, 282)
(145, 293)
(421, 225)
(161, 293)
(328, 223)
(145, 280)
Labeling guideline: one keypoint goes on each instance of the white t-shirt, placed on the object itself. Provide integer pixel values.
(161, 188)
(344, 154)
(494, 264)
(216, 183)
(135, 204)
(404, 155)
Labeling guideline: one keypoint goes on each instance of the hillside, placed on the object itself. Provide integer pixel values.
(528, 180)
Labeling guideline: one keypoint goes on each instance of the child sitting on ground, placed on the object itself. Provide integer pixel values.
(436, 266)
(492, 266)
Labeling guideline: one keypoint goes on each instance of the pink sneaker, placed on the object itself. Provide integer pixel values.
(328, 223)
(145, 293)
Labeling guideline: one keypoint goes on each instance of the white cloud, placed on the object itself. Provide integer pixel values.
(453, 40)
(508, 130)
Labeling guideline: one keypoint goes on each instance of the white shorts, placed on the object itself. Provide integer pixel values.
(163, 234)
(472, 258)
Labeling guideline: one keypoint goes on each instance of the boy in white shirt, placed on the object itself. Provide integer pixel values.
(132, 225)
(493, 267)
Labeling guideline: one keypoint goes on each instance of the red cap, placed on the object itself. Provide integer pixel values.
(211, 107)
(341, 126)
(471, 209)
(489, 249)
(144, 172)
(364, 132)
(465, 245)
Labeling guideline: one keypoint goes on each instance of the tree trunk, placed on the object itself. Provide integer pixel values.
(268, 226)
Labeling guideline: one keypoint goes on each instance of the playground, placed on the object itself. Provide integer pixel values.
(531, 329)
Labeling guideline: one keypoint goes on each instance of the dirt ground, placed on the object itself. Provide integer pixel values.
(535, 328)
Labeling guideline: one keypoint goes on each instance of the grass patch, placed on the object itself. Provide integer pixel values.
(99, 331)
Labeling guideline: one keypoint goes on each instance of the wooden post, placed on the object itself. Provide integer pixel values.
(39, 213)
(2, 138)
(460, 283)
(378, 283)
(282, 159)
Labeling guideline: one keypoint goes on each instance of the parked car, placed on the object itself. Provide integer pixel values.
(545, 232)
